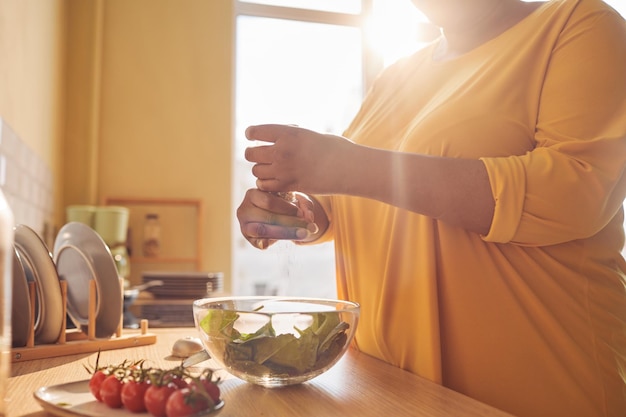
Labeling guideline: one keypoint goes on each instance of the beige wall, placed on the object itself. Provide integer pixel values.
(148, 106)
(32, 76)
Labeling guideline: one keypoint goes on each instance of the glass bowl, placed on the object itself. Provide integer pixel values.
(275, 341)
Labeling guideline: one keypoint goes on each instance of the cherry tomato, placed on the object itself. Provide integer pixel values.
(156, 397)
(111, 391)
(178, 382)
(210, 388)
(133, 396)
(94, 384)
(186, 402)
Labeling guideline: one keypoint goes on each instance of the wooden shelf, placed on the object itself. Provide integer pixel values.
(196, 259)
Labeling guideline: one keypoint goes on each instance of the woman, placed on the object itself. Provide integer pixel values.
(476, 205)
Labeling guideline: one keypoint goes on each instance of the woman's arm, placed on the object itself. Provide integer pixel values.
(456, 191)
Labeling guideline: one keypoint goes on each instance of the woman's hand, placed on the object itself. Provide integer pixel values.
(266, 217)
(298, 159)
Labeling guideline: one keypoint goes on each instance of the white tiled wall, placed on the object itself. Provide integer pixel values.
(26, 182)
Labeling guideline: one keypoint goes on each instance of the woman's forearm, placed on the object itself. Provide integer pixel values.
(455, 191)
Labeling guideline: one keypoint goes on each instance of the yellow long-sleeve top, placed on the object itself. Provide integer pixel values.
(530, 318)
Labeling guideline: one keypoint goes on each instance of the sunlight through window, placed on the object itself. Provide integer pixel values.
(293, 67)
(396, 29)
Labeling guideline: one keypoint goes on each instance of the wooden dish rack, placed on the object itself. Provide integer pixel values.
(75, 341)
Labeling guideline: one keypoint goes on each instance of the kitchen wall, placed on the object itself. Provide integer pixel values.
(32, 85)
(122, 98)
(26, 181)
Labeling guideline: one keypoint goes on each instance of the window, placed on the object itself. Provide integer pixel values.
(287, 71)
(304, 62)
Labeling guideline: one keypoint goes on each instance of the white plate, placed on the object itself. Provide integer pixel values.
(39, 267)
(20, 313)
(81, 255)
(75, 399)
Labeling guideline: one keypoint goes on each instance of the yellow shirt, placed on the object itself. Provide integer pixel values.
(532, 317)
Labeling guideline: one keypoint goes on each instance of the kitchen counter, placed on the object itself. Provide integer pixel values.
(358, 385)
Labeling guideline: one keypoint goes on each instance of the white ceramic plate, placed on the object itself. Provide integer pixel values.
(20, 313)
(75, 399)
(39, 267)
(81, 255)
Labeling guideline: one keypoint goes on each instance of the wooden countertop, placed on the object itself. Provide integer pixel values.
(358, 385)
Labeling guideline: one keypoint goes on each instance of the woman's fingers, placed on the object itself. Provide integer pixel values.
(271, 204)
(277, 232)
(270, 132)
(258, 154)
(262, 171)
(262, 243)
(267, 217)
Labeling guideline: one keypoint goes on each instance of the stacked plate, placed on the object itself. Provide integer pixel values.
(184, 285)
(168, 315)
(79, 256)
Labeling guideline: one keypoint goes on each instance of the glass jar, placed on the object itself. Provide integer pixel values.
(6, 294)
(151, 235)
